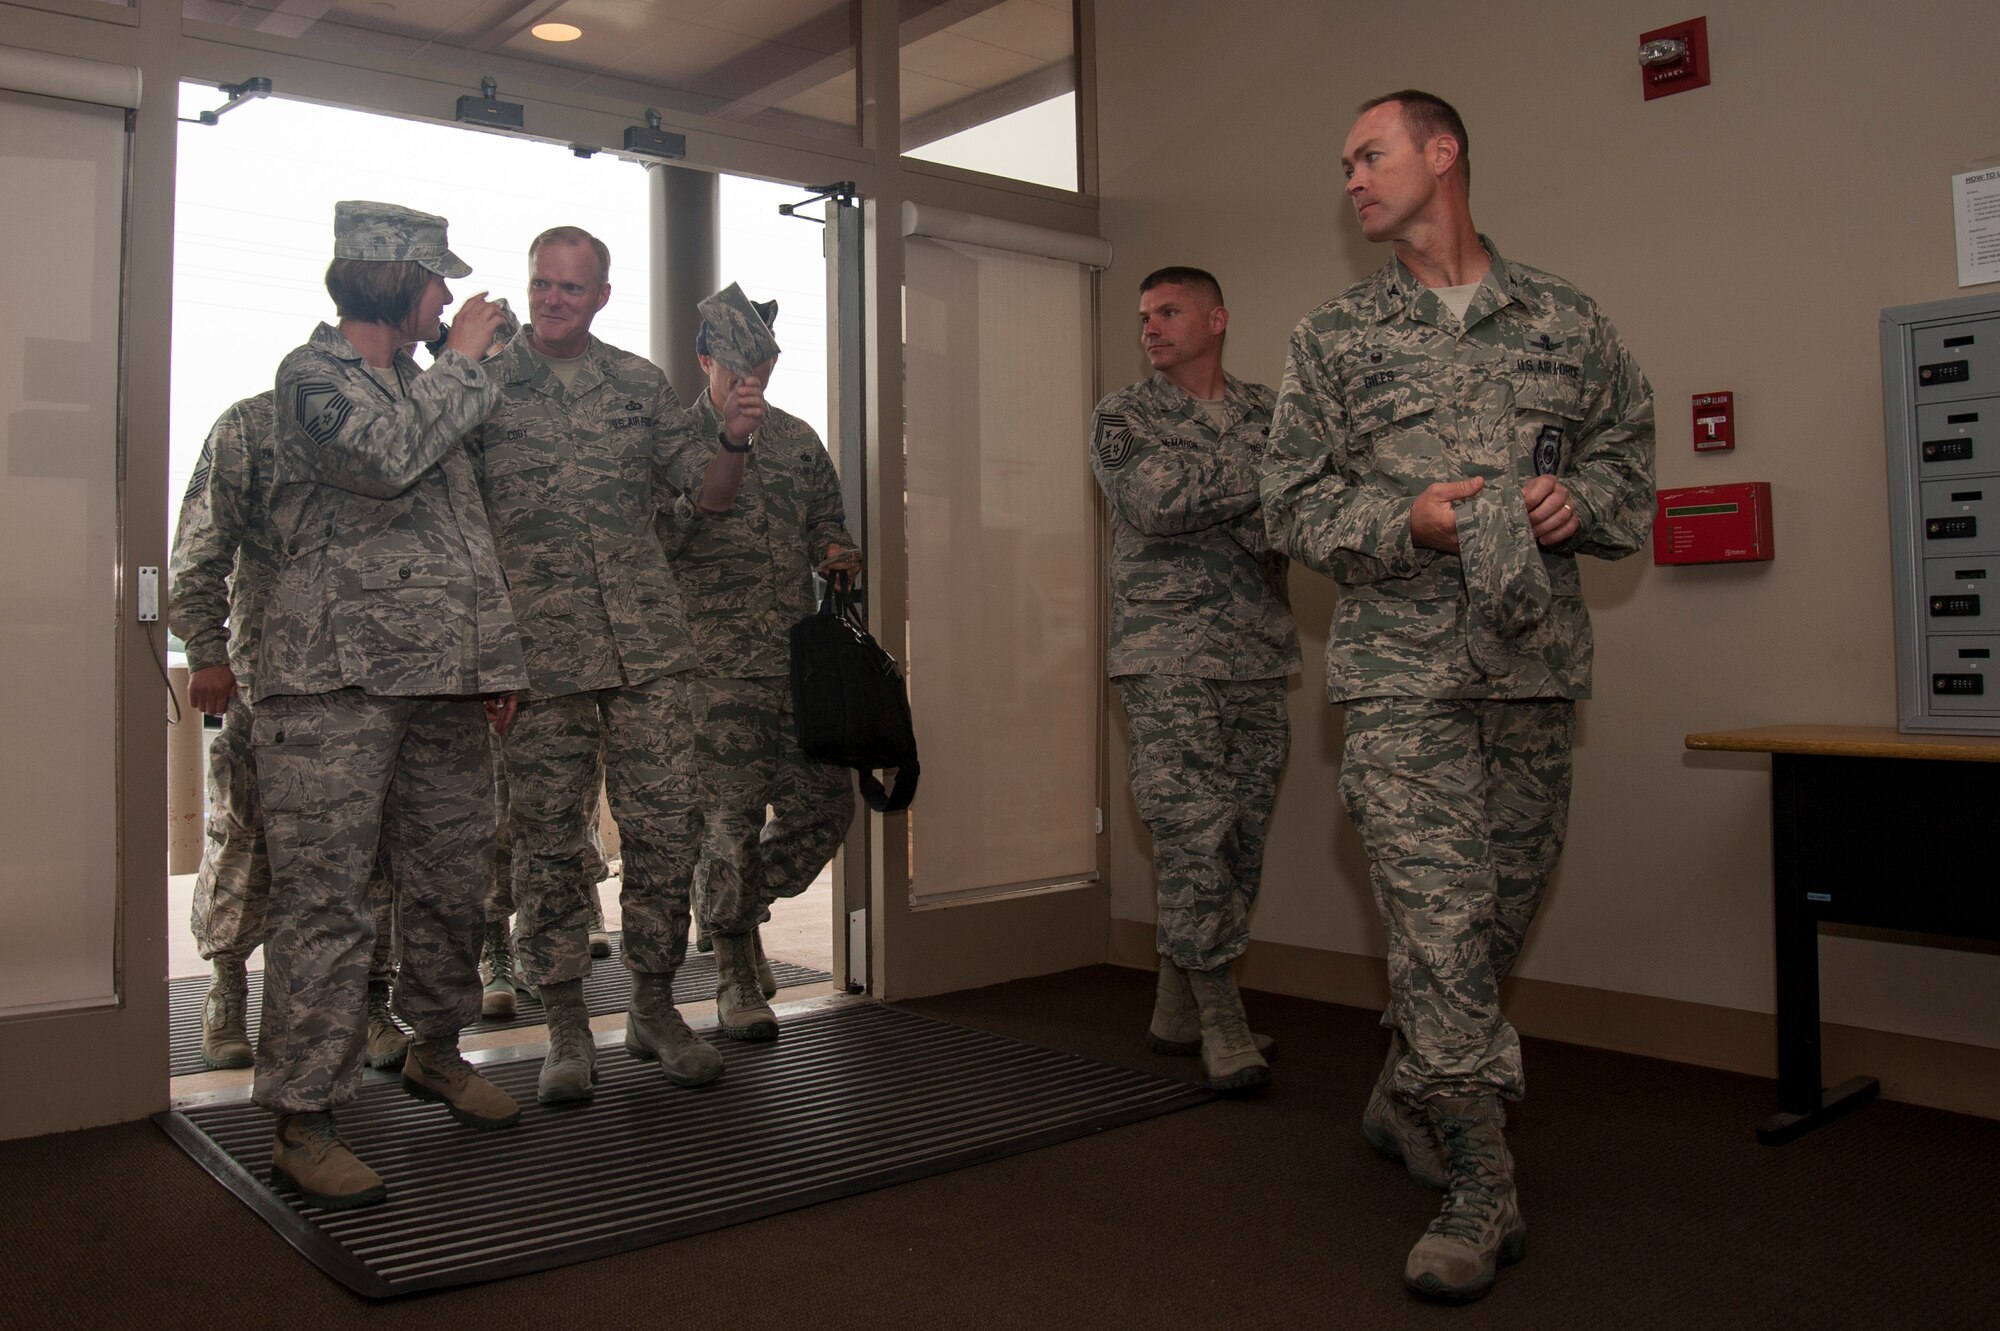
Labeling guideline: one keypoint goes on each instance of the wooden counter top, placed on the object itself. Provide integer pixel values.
(1850, 742)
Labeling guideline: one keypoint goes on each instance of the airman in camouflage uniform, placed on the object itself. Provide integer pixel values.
(387, 626)
(1201, 644)
(748, 575)
(574, 465)
(224, 560)
(496, 957)
(1452, 433)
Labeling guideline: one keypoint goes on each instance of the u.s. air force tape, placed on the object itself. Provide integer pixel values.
(321, 409)
(1113, 439)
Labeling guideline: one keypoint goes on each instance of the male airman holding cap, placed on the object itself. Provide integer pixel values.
(1453, 432)
(748, 577)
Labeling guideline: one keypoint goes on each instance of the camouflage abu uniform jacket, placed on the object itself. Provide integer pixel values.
(225, 555)
(389, 582)
(573, 479)
(1385, 395)
(1195, 587)
(747, 573)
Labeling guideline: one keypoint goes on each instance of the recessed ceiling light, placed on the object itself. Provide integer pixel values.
(556, 32)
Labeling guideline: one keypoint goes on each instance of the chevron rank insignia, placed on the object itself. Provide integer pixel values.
(321, 409)
(198, 483)
(1114, 439)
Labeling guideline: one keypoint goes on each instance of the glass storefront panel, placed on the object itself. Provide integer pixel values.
(990, 85)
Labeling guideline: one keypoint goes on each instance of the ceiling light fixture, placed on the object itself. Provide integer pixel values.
(556, 32)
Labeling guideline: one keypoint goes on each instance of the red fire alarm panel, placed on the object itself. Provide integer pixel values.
(1674, 58)
(1713, 524)
(1714, 422)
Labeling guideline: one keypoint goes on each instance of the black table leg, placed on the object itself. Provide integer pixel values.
(1802, 1102)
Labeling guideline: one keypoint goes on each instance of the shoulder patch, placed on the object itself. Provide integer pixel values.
(1113, 439)
(198, 483)
(321, 409)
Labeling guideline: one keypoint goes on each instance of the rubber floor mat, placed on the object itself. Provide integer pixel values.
(854, 1096)
(607, 989)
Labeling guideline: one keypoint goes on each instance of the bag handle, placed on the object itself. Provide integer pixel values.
(841, 601)
(892, 801)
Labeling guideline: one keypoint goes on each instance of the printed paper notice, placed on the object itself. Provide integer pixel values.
(1975, 202)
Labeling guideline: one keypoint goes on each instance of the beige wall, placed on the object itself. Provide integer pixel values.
(1743, 236)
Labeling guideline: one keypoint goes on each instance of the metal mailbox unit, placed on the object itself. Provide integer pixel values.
(1941, 415)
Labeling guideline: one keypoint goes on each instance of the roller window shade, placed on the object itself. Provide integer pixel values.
(61, 226)
(1004, 661)
(74, 80)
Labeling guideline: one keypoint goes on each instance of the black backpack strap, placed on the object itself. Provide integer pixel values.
(892, 801)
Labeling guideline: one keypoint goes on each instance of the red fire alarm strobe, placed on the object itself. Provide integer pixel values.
(1713, 524)
(1714, 422)
(1674, 58)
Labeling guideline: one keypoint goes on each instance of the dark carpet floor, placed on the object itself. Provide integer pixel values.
(1648, 1201)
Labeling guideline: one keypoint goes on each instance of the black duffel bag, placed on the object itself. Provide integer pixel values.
(849, 701)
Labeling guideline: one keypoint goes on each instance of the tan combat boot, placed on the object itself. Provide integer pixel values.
(1176, 1028)
(654, 1029)
(225, 1039)
(600, 937)
(767, 983)
(1401, 1129)
(739, 1004)
(1229, 1057)
(435, 1070)
(387, 1043)
(308, 1157)
(1479, 1229)
(496, 973)
(569, 1070)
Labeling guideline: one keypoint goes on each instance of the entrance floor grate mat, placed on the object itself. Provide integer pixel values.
(607, 989)
(854, 1096)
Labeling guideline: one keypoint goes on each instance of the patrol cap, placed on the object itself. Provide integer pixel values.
(389, 232)
(737, 331)
(768, 309)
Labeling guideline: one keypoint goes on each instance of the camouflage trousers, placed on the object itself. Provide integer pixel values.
(500, 888)
(634, 743)
(233, 886)
(1204, 763)
(772, 816)
(345, 778)
(500, 896)
(1462, 805)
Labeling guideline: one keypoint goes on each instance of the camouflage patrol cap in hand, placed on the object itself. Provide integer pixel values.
(1506, 582)
(390, 233)
(736, 332)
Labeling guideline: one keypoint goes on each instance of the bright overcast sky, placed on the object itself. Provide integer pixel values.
(253, 231)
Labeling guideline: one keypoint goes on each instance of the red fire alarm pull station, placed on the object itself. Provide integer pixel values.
(1674, 58)
(1714, 422)
(1713, 524)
